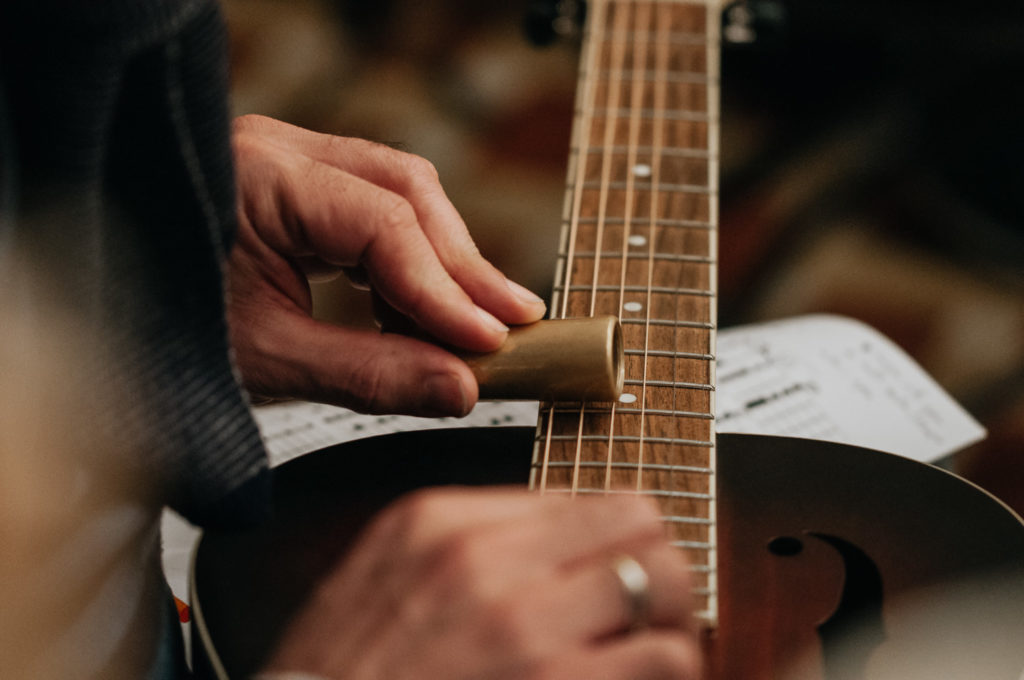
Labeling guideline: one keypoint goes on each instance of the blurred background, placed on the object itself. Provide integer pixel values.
(871, 159)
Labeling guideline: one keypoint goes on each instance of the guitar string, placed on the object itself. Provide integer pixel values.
(709, 17)
(620, 21)
(657, 144)
(582, 130)
(636, 104)
(657, 148)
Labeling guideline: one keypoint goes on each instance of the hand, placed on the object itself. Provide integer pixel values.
(498, 584)
(316, 204)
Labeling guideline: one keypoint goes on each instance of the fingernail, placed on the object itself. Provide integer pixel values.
(443, 396)
(524, 294)
(491, 321)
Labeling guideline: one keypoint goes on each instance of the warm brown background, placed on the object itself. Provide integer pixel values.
(871, 161)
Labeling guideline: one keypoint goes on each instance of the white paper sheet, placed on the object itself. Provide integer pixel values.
(291, 429)
(834, 378)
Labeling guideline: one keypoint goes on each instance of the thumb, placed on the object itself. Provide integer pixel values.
(363, 370)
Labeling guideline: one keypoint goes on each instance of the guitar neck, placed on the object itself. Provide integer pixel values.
(639, 242)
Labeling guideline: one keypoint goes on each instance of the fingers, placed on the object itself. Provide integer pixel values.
(564, 550)
(448, 583)
(555, 529)
(592, 598)
(648, 655)
(301, 207)
(361, 370)
(359, 203)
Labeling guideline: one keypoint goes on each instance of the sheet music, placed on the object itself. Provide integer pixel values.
(291, 429)
(837, 379)
(817, 377)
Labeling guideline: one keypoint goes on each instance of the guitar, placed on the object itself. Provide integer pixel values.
(802, 552)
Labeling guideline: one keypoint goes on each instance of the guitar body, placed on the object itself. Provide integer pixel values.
(843, 563)
(834, 562)
(809, 560)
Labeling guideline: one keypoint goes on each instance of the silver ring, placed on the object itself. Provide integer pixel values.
(635, 587)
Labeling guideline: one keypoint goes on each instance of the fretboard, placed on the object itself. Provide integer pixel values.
(639, 242)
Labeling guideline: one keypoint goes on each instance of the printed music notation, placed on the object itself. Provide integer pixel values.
(836, 379)
(817, 377)
(291, 429)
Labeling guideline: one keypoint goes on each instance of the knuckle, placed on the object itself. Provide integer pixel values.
(416, 512)
(644, 510)
(250, 123)
(397, 214)
(400, 523)
(461, 567)
(463, 559)
(245, 146)
(418, 168)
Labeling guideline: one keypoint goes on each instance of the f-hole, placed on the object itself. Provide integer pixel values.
(859, 609)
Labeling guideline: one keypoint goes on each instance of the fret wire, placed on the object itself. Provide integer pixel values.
(660, 222)
(662, 257)
(696, 415)
(676, 519)
(674, 38)
(645, 150)
(669, 322)
(675, 115)
(660, 467)
(573, 407)
(674, 77)
(653, 493)
(692, 545)
(707, 387)
(629, 439)
(629, 185)
(606, 288)
(671, 354)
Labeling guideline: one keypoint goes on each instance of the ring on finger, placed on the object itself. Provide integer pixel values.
(635, 585)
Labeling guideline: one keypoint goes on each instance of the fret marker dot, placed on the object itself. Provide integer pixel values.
(642, 170)
(627, 398)
(637, 240)
(633, 307)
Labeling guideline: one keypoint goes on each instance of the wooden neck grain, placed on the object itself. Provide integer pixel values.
(639, 242)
